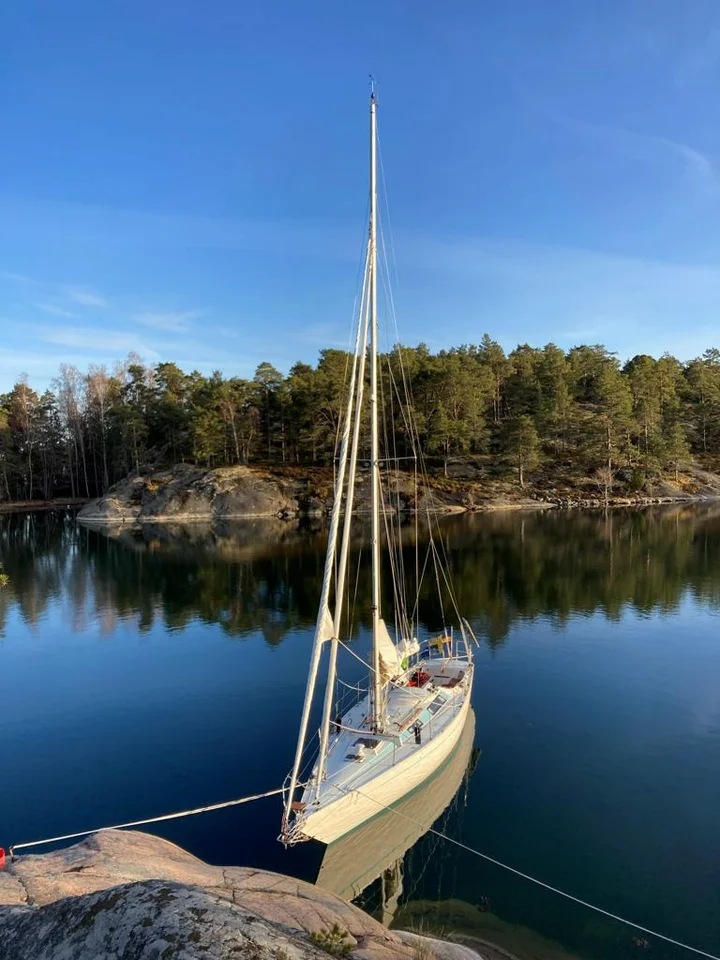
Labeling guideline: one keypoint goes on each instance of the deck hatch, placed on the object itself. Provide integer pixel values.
(437, 703)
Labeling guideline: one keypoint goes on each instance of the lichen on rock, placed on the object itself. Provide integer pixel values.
(131, 895)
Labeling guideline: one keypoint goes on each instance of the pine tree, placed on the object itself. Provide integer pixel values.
(677, 448)
(492, 356)
(644, 381)
(611, 417)
(520, 445)
(268, 381)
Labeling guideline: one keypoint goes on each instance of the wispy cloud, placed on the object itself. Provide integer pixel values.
(55, 310)
(698, 166)
(570, 293)
(173, 322)
(86, 298)
(699, 169)
(15, 277)
(325, 335)
(701, 59)
(99, 342)
(458, 285)
(123, 229)
(231, 332)
(41, 367)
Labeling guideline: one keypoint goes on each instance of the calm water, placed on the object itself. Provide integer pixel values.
(144, 673)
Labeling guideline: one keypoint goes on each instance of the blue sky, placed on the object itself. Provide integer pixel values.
(188, 180)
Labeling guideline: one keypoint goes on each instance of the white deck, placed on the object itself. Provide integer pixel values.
(360, 856)
(365, 772)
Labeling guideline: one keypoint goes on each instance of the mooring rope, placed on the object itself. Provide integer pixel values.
(140, 823)
(526, 876)
(437, 833)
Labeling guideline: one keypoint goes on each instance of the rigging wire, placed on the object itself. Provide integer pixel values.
(404, 407)
(405, 689)
(527, 876)
(420, 579)
(410, 424)
(438, 833)
(397, 519)
(438, 571)
(393, 535)
(397, 594)
(348, 354)
(140, 823)
(363, 306)
(387, 204)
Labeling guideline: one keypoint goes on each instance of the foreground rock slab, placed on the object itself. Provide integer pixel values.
(145, 921)
(134, 896)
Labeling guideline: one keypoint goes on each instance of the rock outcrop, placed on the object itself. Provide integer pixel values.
(185, 493)
(191, 493)
(130, 895)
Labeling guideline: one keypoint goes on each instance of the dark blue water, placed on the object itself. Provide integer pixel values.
(145, 673)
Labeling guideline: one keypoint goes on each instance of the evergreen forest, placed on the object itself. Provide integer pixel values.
(579, 412)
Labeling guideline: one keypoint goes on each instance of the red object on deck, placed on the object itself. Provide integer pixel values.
(2, 857)
(419, 679)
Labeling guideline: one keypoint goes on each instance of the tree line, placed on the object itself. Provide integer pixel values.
(530, 408)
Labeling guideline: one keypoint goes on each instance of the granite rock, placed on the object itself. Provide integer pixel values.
(134, 896)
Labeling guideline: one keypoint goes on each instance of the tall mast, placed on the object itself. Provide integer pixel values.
(360, 358)
(325, 628)
(376, 683)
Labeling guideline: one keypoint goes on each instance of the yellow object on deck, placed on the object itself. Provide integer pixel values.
(439, 642)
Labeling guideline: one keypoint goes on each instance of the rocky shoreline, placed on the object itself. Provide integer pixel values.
(593, 503)
(187, 493)
(62, 503)
(133, 895)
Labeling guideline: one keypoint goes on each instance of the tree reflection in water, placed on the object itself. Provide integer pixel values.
(266, 574)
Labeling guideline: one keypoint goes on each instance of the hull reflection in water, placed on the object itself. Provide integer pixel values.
(377, 847)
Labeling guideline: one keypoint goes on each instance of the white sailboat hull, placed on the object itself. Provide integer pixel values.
(351, 809)
(351, 864)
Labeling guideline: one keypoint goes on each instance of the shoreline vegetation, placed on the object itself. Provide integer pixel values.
(537, 424)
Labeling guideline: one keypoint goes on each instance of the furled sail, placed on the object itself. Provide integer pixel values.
(387, 653)
(393, 657)
(325, 629)
(406, 649)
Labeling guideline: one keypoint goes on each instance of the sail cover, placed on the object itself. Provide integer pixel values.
(387, 653)
(407, 649)
(325, 628)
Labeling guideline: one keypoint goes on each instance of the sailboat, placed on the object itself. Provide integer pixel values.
(375, 750)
